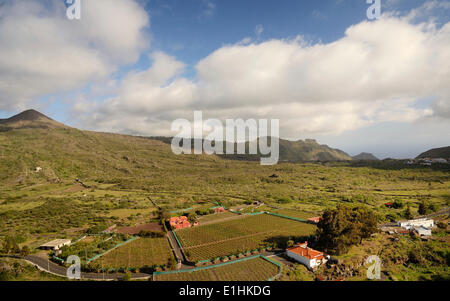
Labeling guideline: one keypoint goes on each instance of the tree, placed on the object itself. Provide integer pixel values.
(442, 225)
(408, 214)
(192, 217)
(171, 263)
(127, 276)
(289, 243)
(398, 204)
(423, 208)
(433, 207)
(343, 227)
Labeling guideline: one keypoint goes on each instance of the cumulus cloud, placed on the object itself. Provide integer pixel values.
(44, 53)
(376, 73)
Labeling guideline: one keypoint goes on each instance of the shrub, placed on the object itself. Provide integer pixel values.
(398, 204)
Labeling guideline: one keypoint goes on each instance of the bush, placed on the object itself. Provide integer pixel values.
(398, 204)
(284, 200)
(152, 234)
(442, 225)
(127, 276)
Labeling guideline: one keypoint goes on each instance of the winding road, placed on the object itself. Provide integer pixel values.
(55, 269)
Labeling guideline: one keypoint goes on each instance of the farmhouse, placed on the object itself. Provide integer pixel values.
(180, 222)
(218, 209)
(422, 231)
(315, 220)
(56, 244)
(307, 256)
(421, 222)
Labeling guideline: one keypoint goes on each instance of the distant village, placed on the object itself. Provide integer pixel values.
(427, 161)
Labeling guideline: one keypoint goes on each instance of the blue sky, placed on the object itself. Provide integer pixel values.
(202, 46)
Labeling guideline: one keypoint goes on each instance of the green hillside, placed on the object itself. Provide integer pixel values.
(443, 152)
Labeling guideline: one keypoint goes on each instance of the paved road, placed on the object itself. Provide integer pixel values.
(51, 267)
(178, 252)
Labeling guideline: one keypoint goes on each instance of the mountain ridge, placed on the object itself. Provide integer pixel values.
(441, 152)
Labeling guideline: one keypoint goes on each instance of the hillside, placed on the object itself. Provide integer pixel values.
(365, 157)
(290, 151)
(30, 140)
(443, 152)
(29, 119)
(309, 150)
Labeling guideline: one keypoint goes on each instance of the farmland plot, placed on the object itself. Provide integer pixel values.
(138, 253)
(237, 236)
(257, 269)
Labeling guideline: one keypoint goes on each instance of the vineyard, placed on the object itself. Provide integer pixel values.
(217, 217)
(255, 269)
(239, 236)
(139, 253)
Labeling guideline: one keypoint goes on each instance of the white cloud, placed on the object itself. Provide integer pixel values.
(259, 29)
(43, 52)
(376, 73)
(208, 9)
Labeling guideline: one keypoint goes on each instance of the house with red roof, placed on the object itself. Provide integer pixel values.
(315, 220)
(219, 209)
(180, 222)
(307, 256)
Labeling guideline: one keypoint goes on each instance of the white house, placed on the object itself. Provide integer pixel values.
(422, 231)
(307, 256)
(421, 222)
(439, 160)
(56, 244)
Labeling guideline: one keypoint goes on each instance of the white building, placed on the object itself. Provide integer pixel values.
(307, 256)
(439, 160)
(422, 231)
(56, 244)
(421, 222)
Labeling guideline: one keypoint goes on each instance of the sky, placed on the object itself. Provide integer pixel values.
(322, 68)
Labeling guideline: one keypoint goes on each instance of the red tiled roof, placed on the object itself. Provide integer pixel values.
(306, 252)
(315, 219)
(179, 222)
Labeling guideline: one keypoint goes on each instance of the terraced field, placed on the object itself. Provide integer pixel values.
(237, 236)
(138, 253)
(255, 269)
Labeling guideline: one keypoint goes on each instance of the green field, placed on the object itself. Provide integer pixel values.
(239, 235)
(257, 269)
(138, 253)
